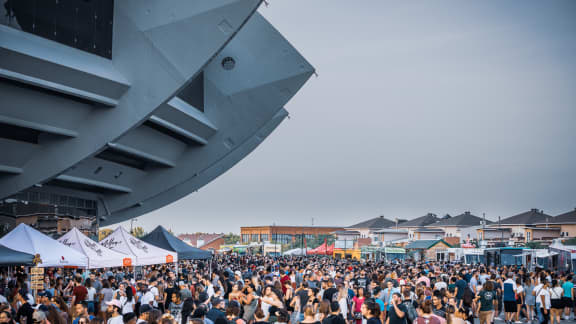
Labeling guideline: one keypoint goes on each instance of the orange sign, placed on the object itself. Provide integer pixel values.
(169, 258)
(127, 262)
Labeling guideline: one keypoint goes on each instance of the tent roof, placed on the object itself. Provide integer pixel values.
(161, 238)
(26, 239)
(98, 255)
(13, 257)
(146, 254)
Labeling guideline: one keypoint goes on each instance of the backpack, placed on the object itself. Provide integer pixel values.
(411, 311)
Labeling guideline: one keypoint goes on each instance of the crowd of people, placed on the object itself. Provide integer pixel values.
(309, 290)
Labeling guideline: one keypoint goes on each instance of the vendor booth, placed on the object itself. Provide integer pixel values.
(394, 253)
(163, 239)
(503, 256)
(25, 239)
(9, 257)
(98, 255)
(322, 249)
(145, 254)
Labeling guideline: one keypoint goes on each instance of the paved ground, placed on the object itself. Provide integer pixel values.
(500, 321)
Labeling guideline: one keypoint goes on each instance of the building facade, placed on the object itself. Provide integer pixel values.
(285, 234)
(131, 109)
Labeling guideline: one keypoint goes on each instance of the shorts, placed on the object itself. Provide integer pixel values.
(510, 306)
(486, 316)
(567, 302)
(557, 303)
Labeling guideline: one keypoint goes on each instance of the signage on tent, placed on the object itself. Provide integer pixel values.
(111, 243)
(169, 258)
(63, 260)
(139, 245)
(67, 242)
(93, 246)
(126, 262)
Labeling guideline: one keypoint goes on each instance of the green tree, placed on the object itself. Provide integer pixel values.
(138, 232)
(104, 233)
(534, 245)
(231, 238)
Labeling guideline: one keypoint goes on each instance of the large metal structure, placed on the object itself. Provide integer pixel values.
(122, 107)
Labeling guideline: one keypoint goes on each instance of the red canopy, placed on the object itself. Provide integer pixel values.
(323, 249)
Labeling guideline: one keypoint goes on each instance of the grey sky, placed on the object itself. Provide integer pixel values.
(420, 106)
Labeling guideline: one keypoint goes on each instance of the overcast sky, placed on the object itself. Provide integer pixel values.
(420, 106)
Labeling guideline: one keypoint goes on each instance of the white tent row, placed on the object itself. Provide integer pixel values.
(74, 249)
(98, 255)
(144, 254)
(24, 238)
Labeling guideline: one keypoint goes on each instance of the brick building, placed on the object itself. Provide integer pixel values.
(284, 234)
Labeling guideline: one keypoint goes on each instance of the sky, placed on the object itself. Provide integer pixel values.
(419, 106)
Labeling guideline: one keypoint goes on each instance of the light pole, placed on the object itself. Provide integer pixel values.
(132, 225)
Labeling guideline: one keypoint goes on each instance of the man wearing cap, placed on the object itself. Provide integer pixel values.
(39, 317)
(144, 314)
(114, 310)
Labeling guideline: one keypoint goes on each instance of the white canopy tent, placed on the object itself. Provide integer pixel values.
(297, 251)
(24, 238)
(145, 254)
(98, 255)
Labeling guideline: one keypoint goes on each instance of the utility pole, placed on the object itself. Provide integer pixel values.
(500, 227)
(483, 226)
(132, 225)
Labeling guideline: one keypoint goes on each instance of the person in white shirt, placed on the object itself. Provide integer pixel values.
(147, 296)
(154, 290)
(114, 308)
(543, 298)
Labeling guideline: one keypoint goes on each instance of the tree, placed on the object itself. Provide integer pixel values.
(138, 232)
(103, 233)
(231, 238)
(534, 245)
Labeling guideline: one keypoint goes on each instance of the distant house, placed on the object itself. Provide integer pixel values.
(566, 222)
(416, 227)
(428, 250)
(424, 233)
(367, 228)
(453, 226)
(390, 235)
(522, 226)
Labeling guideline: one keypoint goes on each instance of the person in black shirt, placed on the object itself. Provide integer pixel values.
(25, 311)
(334, 317)
(437, 306)
(397, 315)
(371, 310)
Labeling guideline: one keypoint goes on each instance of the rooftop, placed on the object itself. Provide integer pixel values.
(374, 223)
(566, 218)
(424, 244)
(427, 219)
(429, 230)
(533, 216)
(463, 220)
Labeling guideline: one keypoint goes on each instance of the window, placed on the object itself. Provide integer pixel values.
(254, 238)
(245, 238)
(264, 237)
